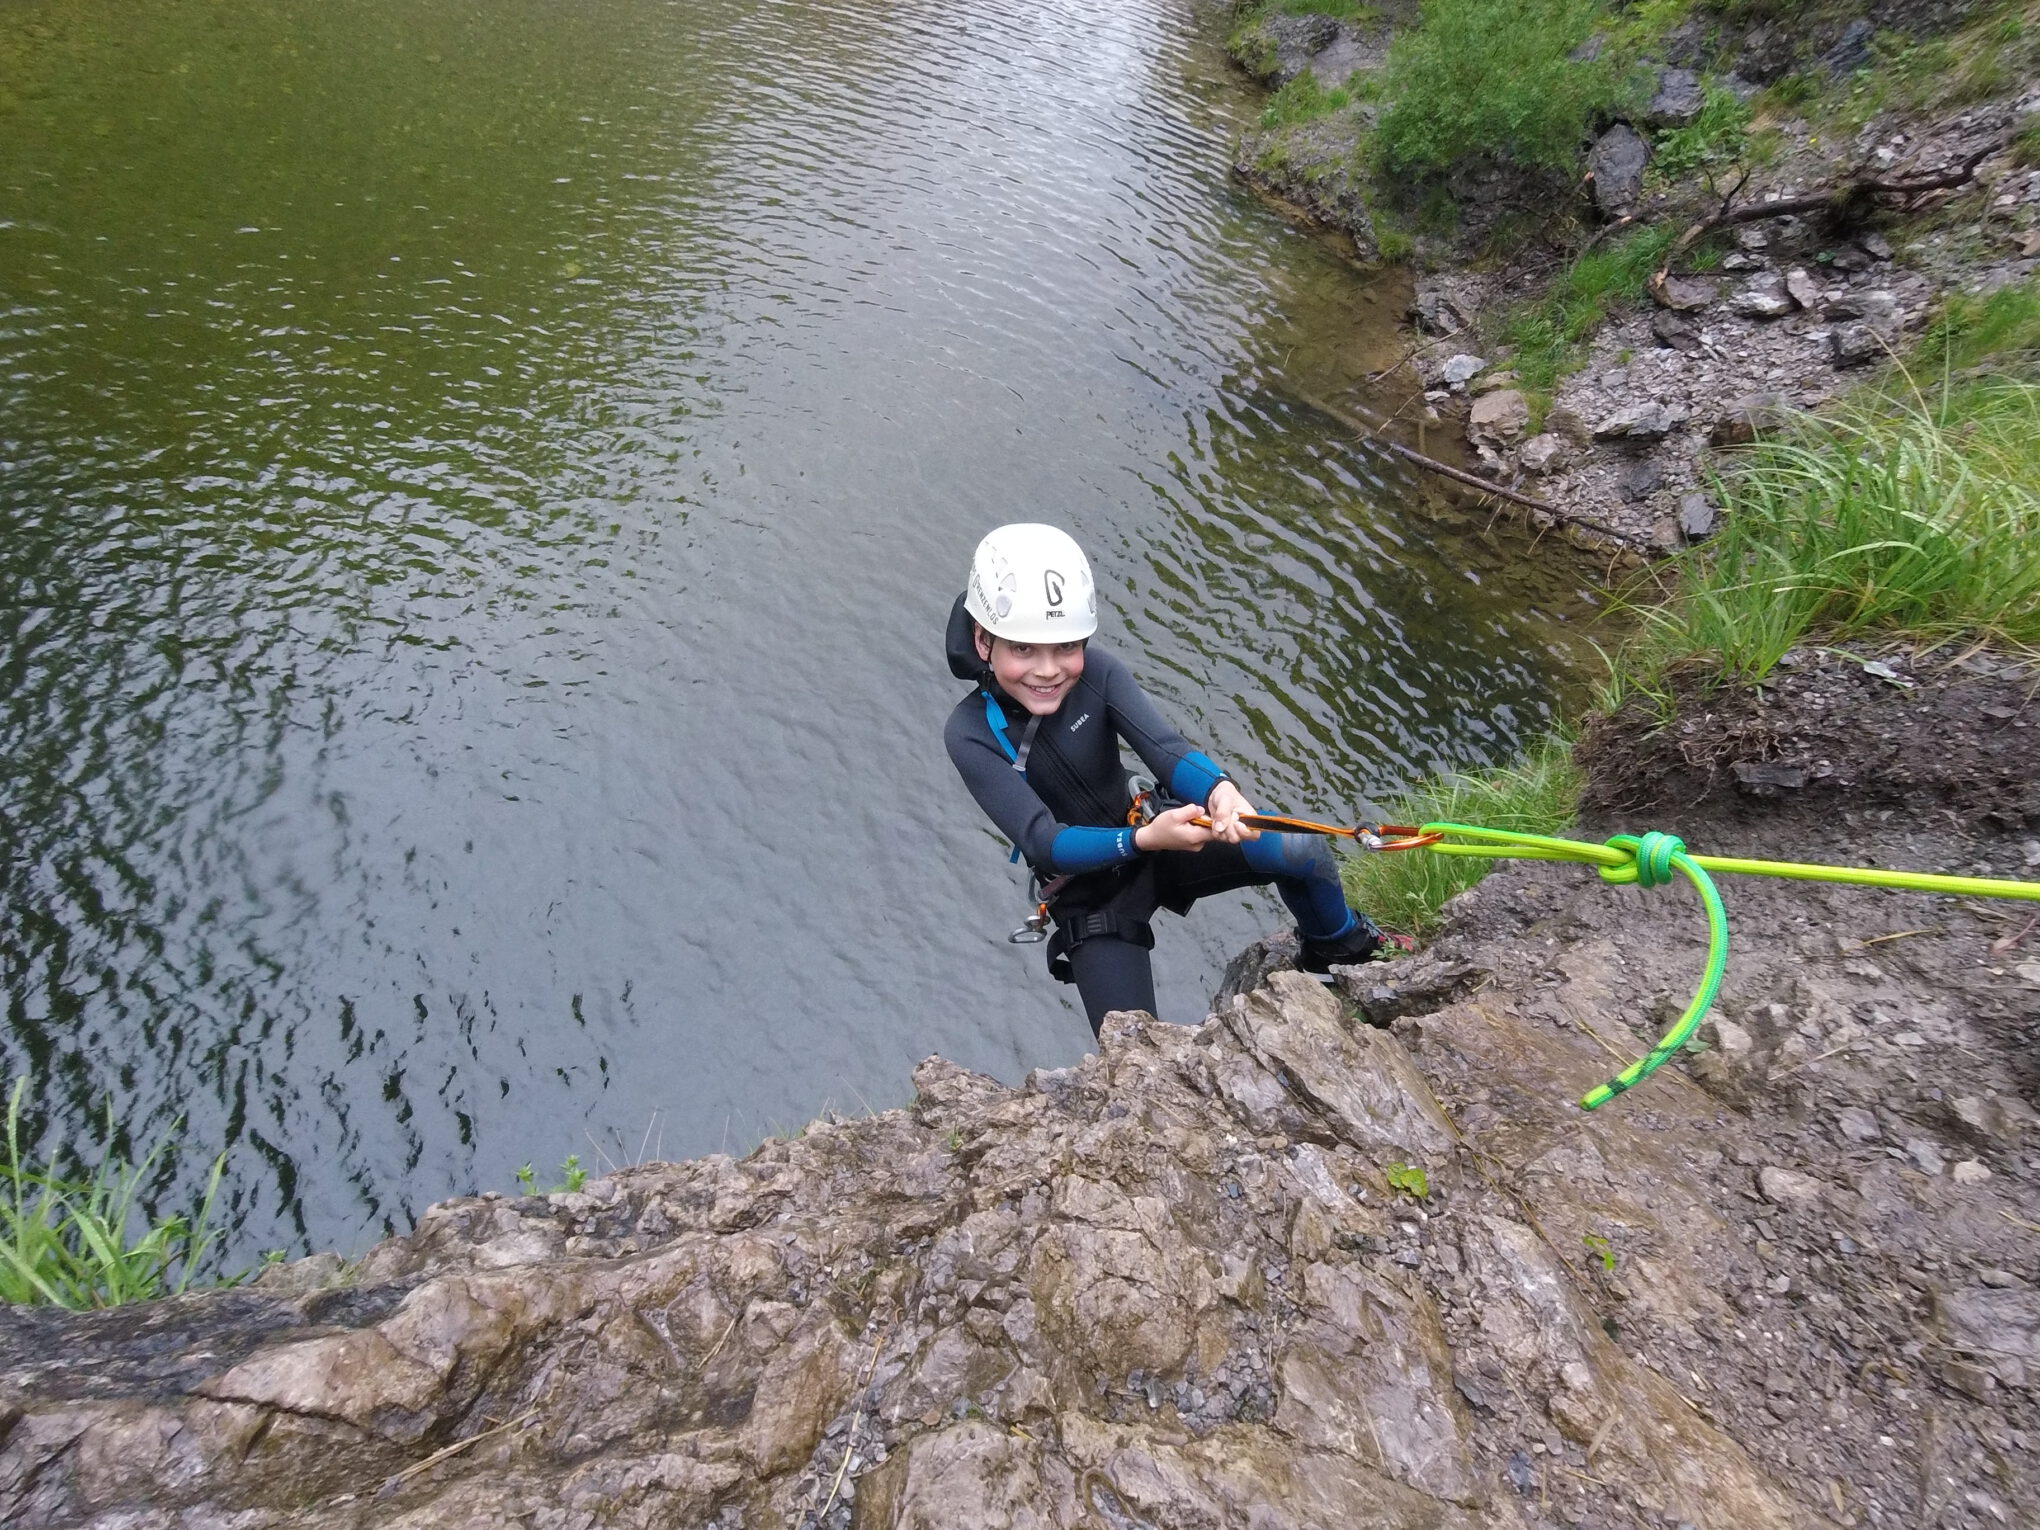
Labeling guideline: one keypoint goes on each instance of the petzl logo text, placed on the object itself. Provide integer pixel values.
(1054, 584)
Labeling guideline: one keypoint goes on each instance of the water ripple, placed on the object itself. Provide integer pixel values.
(481, 488)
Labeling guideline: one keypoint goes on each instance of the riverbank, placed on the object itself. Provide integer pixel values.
(1282, 1269)
(1600, 326)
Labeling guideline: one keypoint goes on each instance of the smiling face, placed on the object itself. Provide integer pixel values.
(1037, 675)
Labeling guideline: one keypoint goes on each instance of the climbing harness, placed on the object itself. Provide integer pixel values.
(1648, 860)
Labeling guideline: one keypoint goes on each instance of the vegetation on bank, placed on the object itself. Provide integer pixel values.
(1909, 514)
(1910, 511)
(80, 1242)
(1530, 83)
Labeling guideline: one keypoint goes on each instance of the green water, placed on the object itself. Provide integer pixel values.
(481, 487)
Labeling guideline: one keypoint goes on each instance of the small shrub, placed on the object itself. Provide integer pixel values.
(1395, 242)
(2002, 327)
(1916, 516)
(1406, 888)
(1601, 1249)
(1496, 77)
(572, 1177)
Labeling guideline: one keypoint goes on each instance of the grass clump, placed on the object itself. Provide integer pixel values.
(1917, 516)
(83, 1243)
(1496, 77)
(1303, 99)
(2002, 327)
(1549, 336)
(1406, 889)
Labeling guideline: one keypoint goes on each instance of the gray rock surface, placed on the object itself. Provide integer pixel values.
(1170, 1286)
(1677, 100)
(1617, 162)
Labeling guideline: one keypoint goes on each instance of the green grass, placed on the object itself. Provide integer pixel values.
(2026, 147)
(1405, 889)
(1908, 514)
(1495, 77)
(2002, 328)
(85, 1242)
(1549, 336)
(1982, 60)
(1303, 100)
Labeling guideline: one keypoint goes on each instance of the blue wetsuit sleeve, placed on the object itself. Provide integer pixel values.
(1189, 774)
(1011, 804)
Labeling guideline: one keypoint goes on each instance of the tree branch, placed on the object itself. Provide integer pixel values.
(1960, 174)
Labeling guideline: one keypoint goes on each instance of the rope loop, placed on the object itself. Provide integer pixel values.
(1650, 858)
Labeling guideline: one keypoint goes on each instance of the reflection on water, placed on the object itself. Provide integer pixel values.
(481, 488)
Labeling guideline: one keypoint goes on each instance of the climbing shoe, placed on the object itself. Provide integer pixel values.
(1363, 943)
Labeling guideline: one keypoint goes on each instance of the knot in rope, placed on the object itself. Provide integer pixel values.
(1650, 862)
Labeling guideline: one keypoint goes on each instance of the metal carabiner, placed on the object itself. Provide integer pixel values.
(1034, 931)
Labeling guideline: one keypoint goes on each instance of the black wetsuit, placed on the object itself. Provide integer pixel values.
(1059, 791)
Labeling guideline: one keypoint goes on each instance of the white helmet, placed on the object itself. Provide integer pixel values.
(1032, 584)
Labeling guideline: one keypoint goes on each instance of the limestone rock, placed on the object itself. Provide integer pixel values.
(1764, 298)
(1643, 420)
(1437, 312)
(1802, 289)
(1676, 332)
(1544, 454)
(1855, 345)
(1685, 294)
(1698, 519)
(1498, 419)
(1169, 1285)
(1460, 370)
(1788, 1187)
(1751, 416)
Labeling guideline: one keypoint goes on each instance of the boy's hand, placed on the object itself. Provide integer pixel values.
(1177, 829)
(1226, 804)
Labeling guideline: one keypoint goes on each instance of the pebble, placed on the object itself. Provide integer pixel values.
(1857, 1124)
(1998, 1280)
(1970, 1172)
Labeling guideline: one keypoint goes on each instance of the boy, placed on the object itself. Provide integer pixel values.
(1038, 745)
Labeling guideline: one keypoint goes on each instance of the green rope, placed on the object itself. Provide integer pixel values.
(1648, 860)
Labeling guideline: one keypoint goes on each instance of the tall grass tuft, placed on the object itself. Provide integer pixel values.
(72, 1243)
(1405, 889)
(1915, 515)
